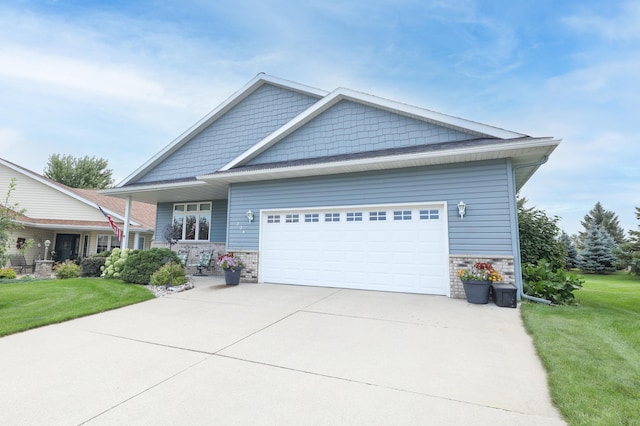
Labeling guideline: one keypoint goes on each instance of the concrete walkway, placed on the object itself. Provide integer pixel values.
(276, 355)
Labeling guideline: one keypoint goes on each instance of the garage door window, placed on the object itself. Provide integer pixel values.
(429, 214)
(332, 217)
(354, 216)
(311, 217)
(402, 215)
(273, 218)
(377, 216)
(292, 218)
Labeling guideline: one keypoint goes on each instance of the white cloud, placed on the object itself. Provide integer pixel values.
(625, 26)
(71, 73)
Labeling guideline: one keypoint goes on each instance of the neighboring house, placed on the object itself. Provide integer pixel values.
(69, 218)
(342, 189)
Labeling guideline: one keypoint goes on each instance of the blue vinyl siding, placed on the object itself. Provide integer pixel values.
(262, 112)
(350, 127)
(164, 215)
(483, 186)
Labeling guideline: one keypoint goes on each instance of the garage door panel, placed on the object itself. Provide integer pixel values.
(394, 255)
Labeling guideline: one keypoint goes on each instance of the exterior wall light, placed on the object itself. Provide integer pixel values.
(250, 216)
(461, 208)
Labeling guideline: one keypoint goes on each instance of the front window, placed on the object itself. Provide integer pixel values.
(192, 221)
(107, 242)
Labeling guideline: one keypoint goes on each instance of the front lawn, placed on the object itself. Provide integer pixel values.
(36, 303)
(592, 351)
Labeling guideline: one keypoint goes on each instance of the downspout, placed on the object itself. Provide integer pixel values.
(517, 264)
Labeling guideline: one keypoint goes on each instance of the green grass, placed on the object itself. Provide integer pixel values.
(592, 351)
(33, 304)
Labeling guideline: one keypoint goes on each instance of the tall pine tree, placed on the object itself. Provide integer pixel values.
(606, 220)
(629, 252)
(596, 256)
(572, 252)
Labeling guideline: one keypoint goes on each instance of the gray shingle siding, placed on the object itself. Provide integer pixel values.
(486, 229)
(262, 112)
(350, 127)
(218, 232)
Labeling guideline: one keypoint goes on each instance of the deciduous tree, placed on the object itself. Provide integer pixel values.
(539, 237)
(86, 172)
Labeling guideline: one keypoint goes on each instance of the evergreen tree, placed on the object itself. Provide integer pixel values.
(606, 220)
(629, 252)
(596, 256)
(572, 252)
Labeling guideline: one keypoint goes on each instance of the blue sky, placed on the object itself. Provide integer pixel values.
(121, 79)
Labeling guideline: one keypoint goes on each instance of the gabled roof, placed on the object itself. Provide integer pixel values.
(342, 94)
(143, 215)
(485, 143)
(257, 82)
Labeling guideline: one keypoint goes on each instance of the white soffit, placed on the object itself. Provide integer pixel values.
(521, 152)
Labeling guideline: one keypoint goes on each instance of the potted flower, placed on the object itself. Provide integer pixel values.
(477, 281)
(232, 267)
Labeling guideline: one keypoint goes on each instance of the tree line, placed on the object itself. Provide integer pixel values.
(601, 247)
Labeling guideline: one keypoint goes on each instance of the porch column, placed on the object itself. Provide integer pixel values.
(136, 242)
(127, 219)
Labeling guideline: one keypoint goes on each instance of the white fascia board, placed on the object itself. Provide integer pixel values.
(396, 107)
(392, 161)
(133, 189)
(218, 112)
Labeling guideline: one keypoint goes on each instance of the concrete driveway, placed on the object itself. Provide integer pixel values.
(278, 355)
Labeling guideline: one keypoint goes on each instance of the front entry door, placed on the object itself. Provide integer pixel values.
(67, 246)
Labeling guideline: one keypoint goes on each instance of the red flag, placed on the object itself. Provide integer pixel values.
(115, 228)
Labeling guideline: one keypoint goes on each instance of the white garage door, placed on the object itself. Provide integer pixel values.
(400, 248)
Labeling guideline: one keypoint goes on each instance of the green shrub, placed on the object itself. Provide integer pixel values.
(67, 270)
(169, 273)
(556, 286)
(141, 264)
(7, 274)
(92, 266)
(114, 264)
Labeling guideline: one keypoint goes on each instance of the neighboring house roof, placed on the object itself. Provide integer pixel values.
(143, 215)
(484, 143)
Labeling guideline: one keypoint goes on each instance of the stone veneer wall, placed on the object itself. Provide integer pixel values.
(250, 259)
(502, 264)
(194, 251)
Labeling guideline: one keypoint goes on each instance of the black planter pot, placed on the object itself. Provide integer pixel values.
(477, 291)
(232, 277)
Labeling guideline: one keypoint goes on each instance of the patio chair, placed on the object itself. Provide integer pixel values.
(20, 265)
(183, 255)
(204, 262)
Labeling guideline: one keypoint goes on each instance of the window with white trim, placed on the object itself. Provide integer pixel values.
(311, 217)
(106, 243)
(273, 218)
(332, 217)
(192, 221)
(429, 214)
(354, 216)
(402, 215)
(292, 218)
(377, 216)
